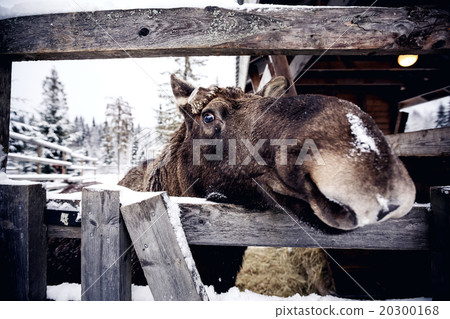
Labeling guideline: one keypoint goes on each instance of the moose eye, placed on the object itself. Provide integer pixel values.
(208, 117)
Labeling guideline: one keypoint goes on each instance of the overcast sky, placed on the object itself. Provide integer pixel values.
(89, 84)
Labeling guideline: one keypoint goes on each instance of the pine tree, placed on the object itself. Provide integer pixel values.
(20, 124)
(443, 117)
(54, 124)
(120, 122)
(107, 145)
(169, 118)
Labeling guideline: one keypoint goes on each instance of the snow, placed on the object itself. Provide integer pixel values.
(424, 116)
(425, 205)
(69, 196)
(24, 8)
(190, 200)
(173, 210)
(69, 291)
(62, 206)
(363, 142)
(384, 203)
(127, 196)
(4, 180)
(64, 292)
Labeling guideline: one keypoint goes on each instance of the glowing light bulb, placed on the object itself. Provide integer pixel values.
(407, 60)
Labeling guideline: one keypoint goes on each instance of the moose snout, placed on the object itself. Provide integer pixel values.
(385, 211)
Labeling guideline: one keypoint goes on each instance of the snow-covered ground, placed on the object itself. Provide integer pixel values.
(67, 291)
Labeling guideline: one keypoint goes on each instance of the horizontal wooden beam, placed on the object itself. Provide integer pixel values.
(55, 231)
(434, 142)
(217, 31)
(231, 225)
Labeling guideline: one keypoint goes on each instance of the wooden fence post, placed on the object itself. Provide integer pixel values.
(440, 242)
(39, 154)
(5, 100)
(159, 253)
(23, 242)
(105, 260)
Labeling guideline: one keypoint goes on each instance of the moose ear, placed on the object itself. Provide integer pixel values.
(274, 88)
(181, 90)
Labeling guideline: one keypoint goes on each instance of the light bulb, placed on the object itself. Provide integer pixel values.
(407, 60)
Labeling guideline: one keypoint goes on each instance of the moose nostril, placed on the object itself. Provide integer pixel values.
(382, 213)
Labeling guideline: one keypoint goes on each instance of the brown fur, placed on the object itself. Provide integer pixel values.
(351, 188)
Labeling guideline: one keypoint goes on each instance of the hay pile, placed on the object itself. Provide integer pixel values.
(284, 272)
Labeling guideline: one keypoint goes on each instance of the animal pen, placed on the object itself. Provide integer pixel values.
(107, 226)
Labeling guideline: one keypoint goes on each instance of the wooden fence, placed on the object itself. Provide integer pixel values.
(107, 226)
(64, 163)
(208, 31)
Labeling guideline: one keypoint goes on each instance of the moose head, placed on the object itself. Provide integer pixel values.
(266, 148)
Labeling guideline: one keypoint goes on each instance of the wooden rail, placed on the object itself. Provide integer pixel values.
(231, 225)
(435, 142)
(217, 31)
(41, 160)
(204, 223)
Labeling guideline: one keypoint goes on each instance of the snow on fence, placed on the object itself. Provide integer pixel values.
(111, 216)
(41, 160)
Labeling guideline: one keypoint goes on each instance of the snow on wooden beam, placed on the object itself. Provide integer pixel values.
(217, 31)
(35, 159)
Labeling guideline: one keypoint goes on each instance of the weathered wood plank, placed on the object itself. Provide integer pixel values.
(219, 224)
(440, 248)
(5, 101)
(434, 142)
(217, 31)
(23, 242)
(158, 250)
(105, 257)
(56, 231)
(231, 225)
(281, 68)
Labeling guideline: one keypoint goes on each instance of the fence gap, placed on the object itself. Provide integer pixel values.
(5, 104)
(440, 242)
(23, 242)
(105, 260)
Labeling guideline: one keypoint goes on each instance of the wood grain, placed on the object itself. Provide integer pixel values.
(435, 142)
(23, 243)
(105, 257)
(56, 231)
(5, 101)
(227, 224)
(158, 250)
(231, 225)
(217, 31)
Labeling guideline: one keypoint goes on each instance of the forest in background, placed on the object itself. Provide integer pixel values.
(116, 142)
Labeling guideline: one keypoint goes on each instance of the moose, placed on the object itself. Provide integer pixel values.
(309, 154)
